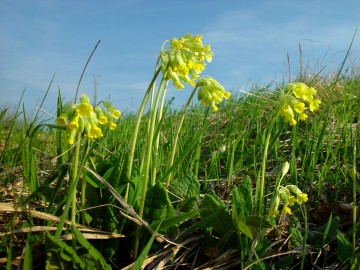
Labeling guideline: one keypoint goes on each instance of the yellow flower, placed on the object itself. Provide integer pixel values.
(85, 109)
(94, 132)
(289, 103)
(302, 197)
(177, 43)
(71, 140)
(185, 59)
(288, 114)
(211, 92)
(286, 210)
(112, 125)
(196, 66)
(275, 213)
(297, 88)
(116, 113)
(314, 104)
(302, 116)
(61, 120)
(309, 94)
(292, 200)
(71, 137)
(275, 202)
(102, 119)
(74, 123)
(299, 107)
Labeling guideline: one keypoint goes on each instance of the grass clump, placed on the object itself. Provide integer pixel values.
(267, 179)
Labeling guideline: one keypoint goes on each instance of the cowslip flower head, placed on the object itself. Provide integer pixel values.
(184, 59)
(288, 195)
(211, 92)
(293, 103)
(84, 117)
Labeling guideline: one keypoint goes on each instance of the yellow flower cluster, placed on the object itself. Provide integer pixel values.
(84, 117)
(184, 59)
(290, 103)
(286, 195)
(211, 92)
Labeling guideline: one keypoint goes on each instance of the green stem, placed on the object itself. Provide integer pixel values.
(136, 130)
(146, 168)
(354, 189)
(83, 197)
(260, 189)
(71, 194)
(293, 157)
(157, 141)
(149, 145)
(306, 234)
(74, 180)
(171, 161)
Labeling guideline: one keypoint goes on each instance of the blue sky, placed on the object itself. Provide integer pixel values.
(250, 40)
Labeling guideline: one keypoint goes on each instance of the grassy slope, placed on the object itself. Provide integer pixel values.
(321, 152)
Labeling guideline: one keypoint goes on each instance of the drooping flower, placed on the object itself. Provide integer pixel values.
(73, 123)
(116, 113)
(84, 117)
(288, 195)
(275, 213)
(299, 107)
(292, 200)
(184, 59)
(102, 119)
(314, 104)
(288, 114)
(286, 210)
(293, 101)
(302, 116)
(84, 109)
(112, 125)
(94, 132)
(211, 92)
(302, 197)
(61, 120)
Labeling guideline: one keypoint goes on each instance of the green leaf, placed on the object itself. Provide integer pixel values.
(186, 205)
(97, 260)
(326, 233)
(135, 190)
(245, 229)
(157, 204)
(173, 221)
(199, 224)
(60, 255)
(356, 262)
(344, 247)
(140, 260)
(187, 190)
(257, 222)
(246, 195)
(295, 237)
(28, 255)
(222, 222)
(242, 200)
(186, 187)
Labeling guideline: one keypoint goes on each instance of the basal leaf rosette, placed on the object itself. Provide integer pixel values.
(83, 117)
(184, 59)
(293, 104)
(210, 92)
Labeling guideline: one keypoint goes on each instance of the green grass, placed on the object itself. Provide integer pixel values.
(209, 216)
